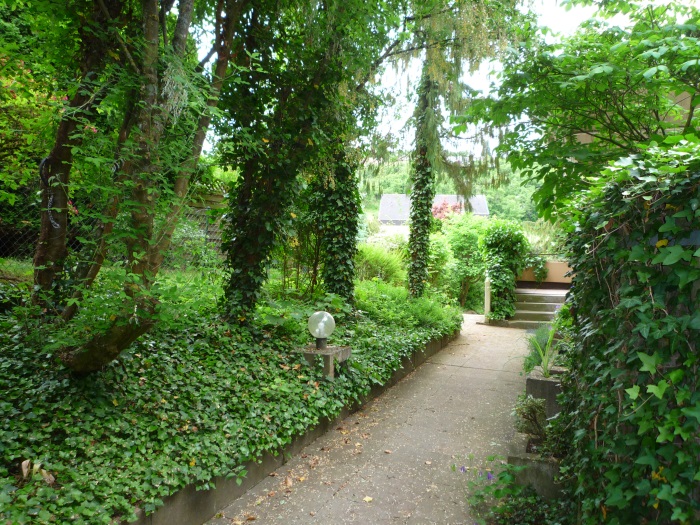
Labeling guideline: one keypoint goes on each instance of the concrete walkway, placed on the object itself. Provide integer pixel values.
(390, 463)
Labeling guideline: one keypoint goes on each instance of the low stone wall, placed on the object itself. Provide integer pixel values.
(193, 507)
(556, 273)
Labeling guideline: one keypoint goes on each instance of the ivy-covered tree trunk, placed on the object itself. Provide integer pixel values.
(423, 186)
(339, 211)
(260, 209)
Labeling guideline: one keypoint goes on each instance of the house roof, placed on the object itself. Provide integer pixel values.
(396, 207)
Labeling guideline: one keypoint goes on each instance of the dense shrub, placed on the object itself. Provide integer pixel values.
(632, 400)
(466, 274)
(506, 251)
(194, 399)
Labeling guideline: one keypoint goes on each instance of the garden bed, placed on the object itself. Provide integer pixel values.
(193, 403)
(190, 506)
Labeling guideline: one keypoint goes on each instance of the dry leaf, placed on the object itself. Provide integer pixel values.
(312, 513)
(428, 462)
(250, 517)
(387, 452)
(288, 482)
(271, 494)
(25, 468)
(48, 477)
(301, 478)
(367, 499)
(272, 474)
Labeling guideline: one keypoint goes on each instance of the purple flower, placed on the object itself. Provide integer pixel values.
(489, 476)
(462, 469)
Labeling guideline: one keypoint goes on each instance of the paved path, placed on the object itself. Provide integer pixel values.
(390, 463)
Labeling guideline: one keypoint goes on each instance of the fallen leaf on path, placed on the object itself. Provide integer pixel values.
(387, 452)
(428, 462)
(367, 499)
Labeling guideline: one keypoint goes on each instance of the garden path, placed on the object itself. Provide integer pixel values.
(390, 463)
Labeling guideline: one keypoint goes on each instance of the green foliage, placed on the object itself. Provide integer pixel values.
(506, 251)
(632, 401)
(511, 199)
(530, 416)
(422, 185)
(191, 247)
(394, 306)
(374, 261)
(495, 499)
(464, 233)
(569, 108)
(194, 399)
(545, 238)
(339, 240)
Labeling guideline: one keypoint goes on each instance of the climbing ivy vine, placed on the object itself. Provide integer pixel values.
(506, 252)
(422, 186)
(632, 401)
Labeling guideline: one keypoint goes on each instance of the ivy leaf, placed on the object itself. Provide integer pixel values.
(650, 362)
(658, 389)
(692, 412)
(675, 254)
(633, 392)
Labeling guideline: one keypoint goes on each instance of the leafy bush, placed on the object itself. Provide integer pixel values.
(194, 399)
(468, 267)
(495, 499)
(374, 261)
(439, 257)
(530, 416)
(633, 403)
(505, 253)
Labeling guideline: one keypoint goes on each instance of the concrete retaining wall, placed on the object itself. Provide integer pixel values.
(192, 507)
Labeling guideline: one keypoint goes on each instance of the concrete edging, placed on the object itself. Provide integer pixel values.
(189, 506)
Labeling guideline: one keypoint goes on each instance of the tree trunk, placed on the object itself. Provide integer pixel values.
(144, 256)
(54, 170)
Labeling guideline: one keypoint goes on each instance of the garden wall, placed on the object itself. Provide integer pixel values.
(193, 507)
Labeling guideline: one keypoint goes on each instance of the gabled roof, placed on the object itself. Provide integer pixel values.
(396, 207)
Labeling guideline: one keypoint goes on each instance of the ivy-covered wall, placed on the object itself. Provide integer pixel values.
(632, 401)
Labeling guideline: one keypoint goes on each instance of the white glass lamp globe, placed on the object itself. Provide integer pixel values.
(321, 325)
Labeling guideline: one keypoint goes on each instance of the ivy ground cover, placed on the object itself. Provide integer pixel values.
(195, 399)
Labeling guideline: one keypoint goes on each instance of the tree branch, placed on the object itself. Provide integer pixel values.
(122, 44)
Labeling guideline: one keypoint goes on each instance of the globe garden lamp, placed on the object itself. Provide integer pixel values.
(321, 326)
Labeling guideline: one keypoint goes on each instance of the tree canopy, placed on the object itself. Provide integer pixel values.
(567, 109)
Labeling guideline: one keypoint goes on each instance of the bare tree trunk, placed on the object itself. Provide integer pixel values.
(146, 251)
(54, 170)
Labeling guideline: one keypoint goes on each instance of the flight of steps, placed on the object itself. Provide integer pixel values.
(534, 307)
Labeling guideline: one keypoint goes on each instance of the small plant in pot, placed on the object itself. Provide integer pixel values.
(546, 352)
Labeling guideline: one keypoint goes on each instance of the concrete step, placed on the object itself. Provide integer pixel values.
(528, 297)
(524, 315)
(537, 307)
(525, 325)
